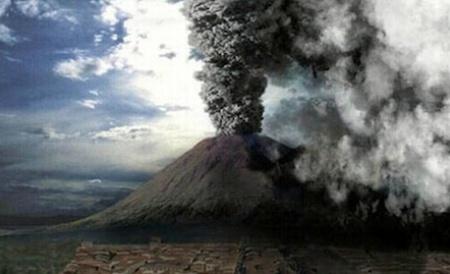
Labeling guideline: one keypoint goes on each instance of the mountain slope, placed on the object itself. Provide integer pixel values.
(246, 180)
(224, 179)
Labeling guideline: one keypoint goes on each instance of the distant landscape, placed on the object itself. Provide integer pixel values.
(34, 256)
(12, 221)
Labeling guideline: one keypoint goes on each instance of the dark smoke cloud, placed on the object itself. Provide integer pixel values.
(242, 41)
(238, 40)
(382, 115)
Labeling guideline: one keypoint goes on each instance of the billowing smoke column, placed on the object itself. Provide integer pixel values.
(237, 39)
(381, 85)
(242, 41)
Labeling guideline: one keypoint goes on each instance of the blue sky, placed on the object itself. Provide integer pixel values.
(95, 97)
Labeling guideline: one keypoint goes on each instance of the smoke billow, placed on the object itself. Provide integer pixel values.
(237, 40)
(379, 112)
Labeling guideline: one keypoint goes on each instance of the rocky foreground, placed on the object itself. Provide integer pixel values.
(248, 258)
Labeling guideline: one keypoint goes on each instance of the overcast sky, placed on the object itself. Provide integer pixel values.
(95, 96)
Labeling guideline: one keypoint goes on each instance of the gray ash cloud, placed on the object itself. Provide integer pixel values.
(383, 78)
(244, 41)
(238, 40)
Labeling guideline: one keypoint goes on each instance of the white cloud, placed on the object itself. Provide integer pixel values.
(125, 133)
(176, 129)
(41, 9)
(4, 5)
(7, 115)
(98, 38)
(110, 14)
(152, 29)
(13, 60)
(44, 9)
(7, 36)
(49, 133)
(82, 67)
(418, 34)
(94, 92)
(95, 181)
(402, 106)
(336, 24)
(163, 138)
(90, 104)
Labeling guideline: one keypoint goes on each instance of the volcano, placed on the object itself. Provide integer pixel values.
(249, 180)
(237, 179)
(232, 179)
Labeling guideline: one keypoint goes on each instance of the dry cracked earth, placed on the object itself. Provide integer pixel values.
(248, 258)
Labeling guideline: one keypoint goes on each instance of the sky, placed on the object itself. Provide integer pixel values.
(95, 97)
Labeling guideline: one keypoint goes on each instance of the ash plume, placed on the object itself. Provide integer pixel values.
(238, 40)
(381, 76)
